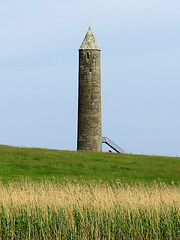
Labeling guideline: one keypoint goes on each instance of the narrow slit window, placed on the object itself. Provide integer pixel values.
(90, 70)
(87, 55)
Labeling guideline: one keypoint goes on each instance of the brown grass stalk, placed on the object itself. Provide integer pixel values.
(101, 196)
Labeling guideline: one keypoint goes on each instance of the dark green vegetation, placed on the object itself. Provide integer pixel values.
(89, 224)
(38, 164)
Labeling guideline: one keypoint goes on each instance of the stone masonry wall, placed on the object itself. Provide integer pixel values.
(89, 102)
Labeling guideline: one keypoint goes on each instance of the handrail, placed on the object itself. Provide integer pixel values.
(113, 145)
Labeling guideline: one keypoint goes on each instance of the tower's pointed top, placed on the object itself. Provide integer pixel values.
(89, 41)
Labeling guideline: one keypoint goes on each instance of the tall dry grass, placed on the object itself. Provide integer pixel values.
(100, 195)
(80, 210)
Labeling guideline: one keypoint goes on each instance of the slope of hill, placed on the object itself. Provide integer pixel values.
(38, 164)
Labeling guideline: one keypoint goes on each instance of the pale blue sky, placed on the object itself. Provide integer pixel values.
(140, 51)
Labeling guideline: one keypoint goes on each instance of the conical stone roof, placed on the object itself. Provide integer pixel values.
(89, 42)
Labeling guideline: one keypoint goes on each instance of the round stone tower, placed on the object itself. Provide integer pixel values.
(89, 102)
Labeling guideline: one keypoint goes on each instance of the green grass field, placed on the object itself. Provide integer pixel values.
(34, 205)
(37, 164)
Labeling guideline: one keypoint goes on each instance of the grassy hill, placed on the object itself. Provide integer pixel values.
(38, 164)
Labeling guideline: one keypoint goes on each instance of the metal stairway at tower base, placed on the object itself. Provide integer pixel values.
(113, 145)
